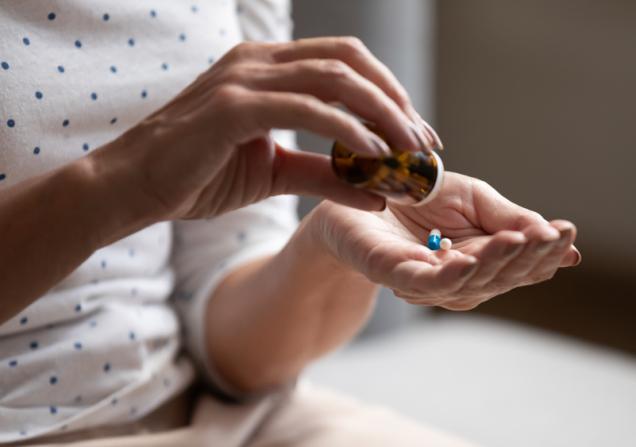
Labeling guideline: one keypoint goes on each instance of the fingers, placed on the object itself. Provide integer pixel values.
(552, 261)
(310, 174)
(332, 80)
(541, 240)
(271, 110)
(499, 251)
(423, 281)
(496, 213)
(353, 52)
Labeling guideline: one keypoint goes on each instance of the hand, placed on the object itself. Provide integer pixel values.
(497, 245)
(209, 150)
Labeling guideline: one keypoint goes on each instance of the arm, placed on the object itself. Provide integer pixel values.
(51, 223)
(269, 318)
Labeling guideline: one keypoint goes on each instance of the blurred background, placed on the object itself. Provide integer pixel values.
(538, 98)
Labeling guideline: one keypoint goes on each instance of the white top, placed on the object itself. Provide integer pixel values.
(101, 346)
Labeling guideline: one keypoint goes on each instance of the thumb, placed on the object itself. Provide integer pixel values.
(310, 174)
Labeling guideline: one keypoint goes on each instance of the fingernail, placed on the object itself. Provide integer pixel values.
(579, 258)
(380, 145)
(565, 239)
(438, 140)
(424, 145)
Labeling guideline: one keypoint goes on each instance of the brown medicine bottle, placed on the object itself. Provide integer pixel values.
(405, 178)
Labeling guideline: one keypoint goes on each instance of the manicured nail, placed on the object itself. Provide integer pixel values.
(565, 238)
(438, 140)
(380, 145)
(579, 258)
(424, 144)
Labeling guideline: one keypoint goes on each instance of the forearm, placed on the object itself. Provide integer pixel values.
(51, 223)
(269, 318)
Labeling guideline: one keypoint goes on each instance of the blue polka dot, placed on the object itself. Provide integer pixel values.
(85, 147)
(211, 60)
(106, 17)
(36, 150)
(4, 65)
(144, 93)
(241, 236)
(39, 95)
(51, 16)
(113, 120)
(106, 367)
(77, 345)
(131, 252)
(133, 291)
(92, 323)
(182, 37)
(65, 123)
(34, 345)
(114, 401)
(3, 176)
(164, 66)
(131, 335)
(23, 432)
(11, 123)
(53, 409)
(78, 44)
(153, 13)
(13, 363)
(53, 380)
(60, 68)
(113, 69)
(133, 411)
(194, 9)
(166, 382)
(103, 264)
(94, 96)
(24, 320)
(78, 398)
(26, 41)
(78, 308)
(131, 42)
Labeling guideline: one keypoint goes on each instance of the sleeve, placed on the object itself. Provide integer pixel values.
(265, 20)
(205, 251)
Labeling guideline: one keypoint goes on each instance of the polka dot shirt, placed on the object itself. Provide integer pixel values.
(102, 346)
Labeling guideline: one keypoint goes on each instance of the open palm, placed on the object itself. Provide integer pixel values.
(497, 245)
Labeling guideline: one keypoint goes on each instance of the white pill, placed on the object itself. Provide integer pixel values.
(435, 232)
(445, 244)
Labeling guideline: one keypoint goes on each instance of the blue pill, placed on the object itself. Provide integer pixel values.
(433, 242)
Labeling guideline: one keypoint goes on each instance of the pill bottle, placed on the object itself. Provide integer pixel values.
(405, 178)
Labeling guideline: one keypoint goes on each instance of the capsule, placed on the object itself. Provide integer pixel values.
(434, 239)
(445, 244)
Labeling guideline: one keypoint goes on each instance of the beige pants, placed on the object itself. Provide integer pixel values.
(308, 416)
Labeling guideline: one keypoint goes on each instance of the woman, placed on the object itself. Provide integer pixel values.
(126, 173)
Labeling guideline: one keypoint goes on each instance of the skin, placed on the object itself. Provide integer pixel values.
(269, 318)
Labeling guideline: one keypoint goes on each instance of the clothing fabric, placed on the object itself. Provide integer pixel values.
(308, 416)
(103, 346)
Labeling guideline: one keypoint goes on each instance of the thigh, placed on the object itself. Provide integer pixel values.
(315, 417)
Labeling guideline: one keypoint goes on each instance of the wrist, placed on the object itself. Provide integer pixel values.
(312, 240)
(116, 204)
